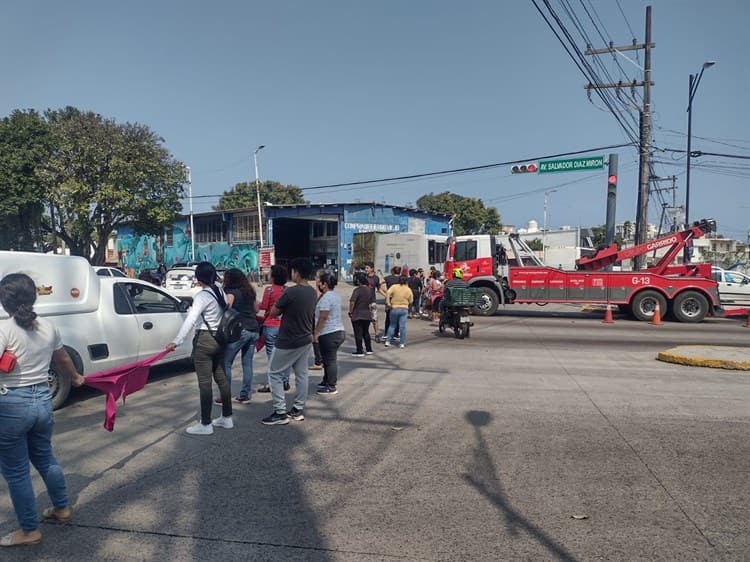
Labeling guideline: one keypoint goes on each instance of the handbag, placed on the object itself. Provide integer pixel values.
(7, 361)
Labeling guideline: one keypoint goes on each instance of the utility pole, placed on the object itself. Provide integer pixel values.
(644, 164)
(665, 206)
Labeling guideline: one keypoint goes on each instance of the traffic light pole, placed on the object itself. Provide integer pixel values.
(609, 229)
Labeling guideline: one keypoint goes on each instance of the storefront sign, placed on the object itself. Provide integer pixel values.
(368, 227)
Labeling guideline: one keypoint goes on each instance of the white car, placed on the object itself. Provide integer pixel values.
(181, 283)
(734, 287)
(104, 321)
(106, 271)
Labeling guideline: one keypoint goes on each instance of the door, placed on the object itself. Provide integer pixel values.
(734, 287)
(158, 318)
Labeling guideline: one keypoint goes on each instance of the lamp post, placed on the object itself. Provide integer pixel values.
(692, 88)
(190, 203)
(257, 192)
(544, 227)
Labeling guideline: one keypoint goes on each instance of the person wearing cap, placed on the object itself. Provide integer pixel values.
(208, 356)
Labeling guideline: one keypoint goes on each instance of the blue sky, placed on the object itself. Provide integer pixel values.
(351, 90)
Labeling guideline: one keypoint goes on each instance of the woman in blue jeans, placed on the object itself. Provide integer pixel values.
(241, 297)
(26, 420)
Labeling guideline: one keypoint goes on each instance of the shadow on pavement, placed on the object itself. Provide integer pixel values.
(482, 475)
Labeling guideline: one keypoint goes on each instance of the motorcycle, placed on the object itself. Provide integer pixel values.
(454, 310)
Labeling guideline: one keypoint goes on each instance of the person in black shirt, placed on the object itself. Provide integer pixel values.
(294, 343)
(359, 312)
(241, 297)
(416, 286)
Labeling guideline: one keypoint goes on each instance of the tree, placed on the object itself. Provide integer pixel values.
(536, 245)
(243, 196)
(24, 147)
(598, 236)
(470, 216)
(104, 175)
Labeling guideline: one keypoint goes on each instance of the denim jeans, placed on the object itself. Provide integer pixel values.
(246, 344)
(26, 424)
(270, 333)
(398, 322)
(282, 361)
(208, 358)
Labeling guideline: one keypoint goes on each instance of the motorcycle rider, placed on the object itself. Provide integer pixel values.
(456, 281)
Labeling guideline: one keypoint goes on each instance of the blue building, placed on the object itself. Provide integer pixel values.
(322, 232)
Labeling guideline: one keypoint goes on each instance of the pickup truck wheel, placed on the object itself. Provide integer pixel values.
(690, 306)
(644, 305)
(488, 302)
(59, 383)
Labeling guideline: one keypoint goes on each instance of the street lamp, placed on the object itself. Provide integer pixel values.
(257, 192)
(190, 202)
(692, 88)
(544, 227)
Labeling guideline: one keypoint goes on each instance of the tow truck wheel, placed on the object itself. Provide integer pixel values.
(488, 302)
(644, 305)
(690, 306)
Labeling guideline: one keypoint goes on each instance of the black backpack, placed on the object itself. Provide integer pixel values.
(230, 324)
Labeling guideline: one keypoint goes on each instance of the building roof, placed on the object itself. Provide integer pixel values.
(324, 206)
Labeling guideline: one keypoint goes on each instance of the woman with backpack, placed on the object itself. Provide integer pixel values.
(241, 297)
(208, 355)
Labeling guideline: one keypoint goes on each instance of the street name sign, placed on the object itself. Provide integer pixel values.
(571, 164)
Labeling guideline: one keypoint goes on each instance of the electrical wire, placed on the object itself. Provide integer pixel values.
(580, 62)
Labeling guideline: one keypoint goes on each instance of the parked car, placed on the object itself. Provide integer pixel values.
(151, 276)
(104, 321)
(106, 271)
(181, 283)
(734, 287)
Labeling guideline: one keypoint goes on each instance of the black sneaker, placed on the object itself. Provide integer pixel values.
(322, 385)
(327, 390)
(275, 419)
(286, 386)
(358, 354)
(296, 414)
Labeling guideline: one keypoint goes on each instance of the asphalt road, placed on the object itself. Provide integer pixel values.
(545, 436)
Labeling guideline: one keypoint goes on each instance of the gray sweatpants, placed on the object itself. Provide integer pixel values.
(281, 361)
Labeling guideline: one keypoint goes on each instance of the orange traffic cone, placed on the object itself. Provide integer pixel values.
(608, 316)
(656, 320)
(747, 322)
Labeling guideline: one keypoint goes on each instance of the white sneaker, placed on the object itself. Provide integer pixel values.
(221, 421)
(200, 429)
(401, 346)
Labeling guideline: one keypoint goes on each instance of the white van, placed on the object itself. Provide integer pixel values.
(104, 321)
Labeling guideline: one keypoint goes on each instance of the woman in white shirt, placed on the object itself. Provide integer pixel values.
(329, 330)
(26, 419)
(208, 355)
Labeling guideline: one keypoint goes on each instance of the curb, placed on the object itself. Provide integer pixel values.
(716, 357)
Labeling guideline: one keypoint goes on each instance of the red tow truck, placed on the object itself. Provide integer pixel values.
(687, 292)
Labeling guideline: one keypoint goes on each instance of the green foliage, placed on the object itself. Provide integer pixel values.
(24, 148)
(106, 174)
(536, 245)
(243, 195)
(599, 234)
(470, 216)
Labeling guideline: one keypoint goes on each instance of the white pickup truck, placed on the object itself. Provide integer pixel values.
(104, 321)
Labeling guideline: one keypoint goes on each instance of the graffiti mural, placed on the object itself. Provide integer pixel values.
(138, 252)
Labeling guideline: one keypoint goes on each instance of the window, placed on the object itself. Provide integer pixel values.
(465, 250)
(210, 229)
(325, 229)
(437, 252)
(132, 298)
(170, 236)
(245, 228)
